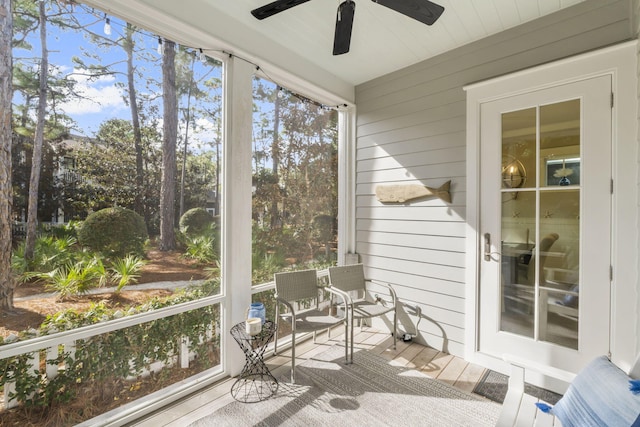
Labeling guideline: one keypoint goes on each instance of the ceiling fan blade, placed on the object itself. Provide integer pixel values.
(421, 10)
(344, 25)
(275, 7)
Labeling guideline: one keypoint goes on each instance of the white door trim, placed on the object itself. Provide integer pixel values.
(619, 61)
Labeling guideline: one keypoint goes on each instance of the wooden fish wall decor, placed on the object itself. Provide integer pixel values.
(402, 193)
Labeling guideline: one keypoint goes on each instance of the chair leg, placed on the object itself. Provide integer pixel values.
(351, 338)
(346, 343)
(275, 341)
(293, 357)
(275, 338)
(395, 328)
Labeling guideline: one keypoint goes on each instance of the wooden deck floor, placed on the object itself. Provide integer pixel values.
(444, 367)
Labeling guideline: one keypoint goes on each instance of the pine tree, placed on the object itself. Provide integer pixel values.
(7, 285)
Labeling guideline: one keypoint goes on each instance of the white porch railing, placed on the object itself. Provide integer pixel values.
(51, 344)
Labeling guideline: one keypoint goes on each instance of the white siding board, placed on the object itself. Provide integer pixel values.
(417, 289)
(444, 155)
(407, 253)
(452, 139)
(425, 102)
(411, 213)
(449, 125)
(455, 274)
(428, 115)
(411, 129)
(456, 229)
(409, 267)
(434, 299)
(439, 243)
(444, 170)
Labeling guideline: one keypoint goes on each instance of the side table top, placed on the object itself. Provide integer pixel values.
(239, 333)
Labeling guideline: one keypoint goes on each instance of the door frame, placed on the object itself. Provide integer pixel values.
(619, 61)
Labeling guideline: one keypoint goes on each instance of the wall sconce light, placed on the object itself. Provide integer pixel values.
(514, 174)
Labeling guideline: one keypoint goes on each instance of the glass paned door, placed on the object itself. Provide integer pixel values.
(545, 217)
(540, 203)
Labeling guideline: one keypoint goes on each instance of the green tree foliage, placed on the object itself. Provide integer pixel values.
(134, 69)
(115, 232)
(196, 221)
(106, 168)
(295, 174)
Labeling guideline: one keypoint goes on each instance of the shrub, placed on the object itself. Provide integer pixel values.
(75, 279)
(112, 357)
(196, 222)
(115, 232)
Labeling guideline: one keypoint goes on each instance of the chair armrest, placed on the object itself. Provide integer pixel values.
(516, 398)
(287, 303)
(346, 298)
(549, 371)
(392, 292)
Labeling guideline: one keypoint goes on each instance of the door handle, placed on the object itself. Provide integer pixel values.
(487, 247)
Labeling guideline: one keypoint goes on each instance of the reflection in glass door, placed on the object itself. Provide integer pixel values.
(540, 222)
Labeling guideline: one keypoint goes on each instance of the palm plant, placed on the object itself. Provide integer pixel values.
(201, 248)
(51, 253)
(126, 270)
(67, 280)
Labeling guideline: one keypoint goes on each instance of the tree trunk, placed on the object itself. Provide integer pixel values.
(275, 156)
(170, 135)
(36, 162)
(6, 93)
(135, 121)
(186, 137)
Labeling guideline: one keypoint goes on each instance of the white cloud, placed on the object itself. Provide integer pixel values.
(205, 132)
(100, 95)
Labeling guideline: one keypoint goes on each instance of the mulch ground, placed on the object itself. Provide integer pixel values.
(160, 267)
(96, 398)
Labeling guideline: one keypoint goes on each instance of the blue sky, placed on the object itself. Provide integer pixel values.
(103, 96)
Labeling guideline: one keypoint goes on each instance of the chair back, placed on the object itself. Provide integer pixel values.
(347, 277)
(543, 249)
(296, 285)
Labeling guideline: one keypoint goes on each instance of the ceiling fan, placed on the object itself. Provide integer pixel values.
(421, 10)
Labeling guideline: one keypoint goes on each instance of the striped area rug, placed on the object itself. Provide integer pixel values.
(370, 392)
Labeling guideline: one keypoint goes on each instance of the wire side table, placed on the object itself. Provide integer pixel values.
(255, 383)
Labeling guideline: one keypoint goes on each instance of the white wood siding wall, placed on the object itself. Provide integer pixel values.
(411, 129)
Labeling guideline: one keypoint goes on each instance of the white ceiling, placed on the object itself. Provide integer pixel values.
(297, 44)
(384, 40)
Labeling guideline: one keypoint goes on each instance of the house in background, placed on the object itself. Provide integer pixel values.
(501, 97)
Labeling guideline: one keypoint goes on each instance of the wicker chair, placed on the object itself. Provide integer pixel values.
(350, 281)
(298, 289)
